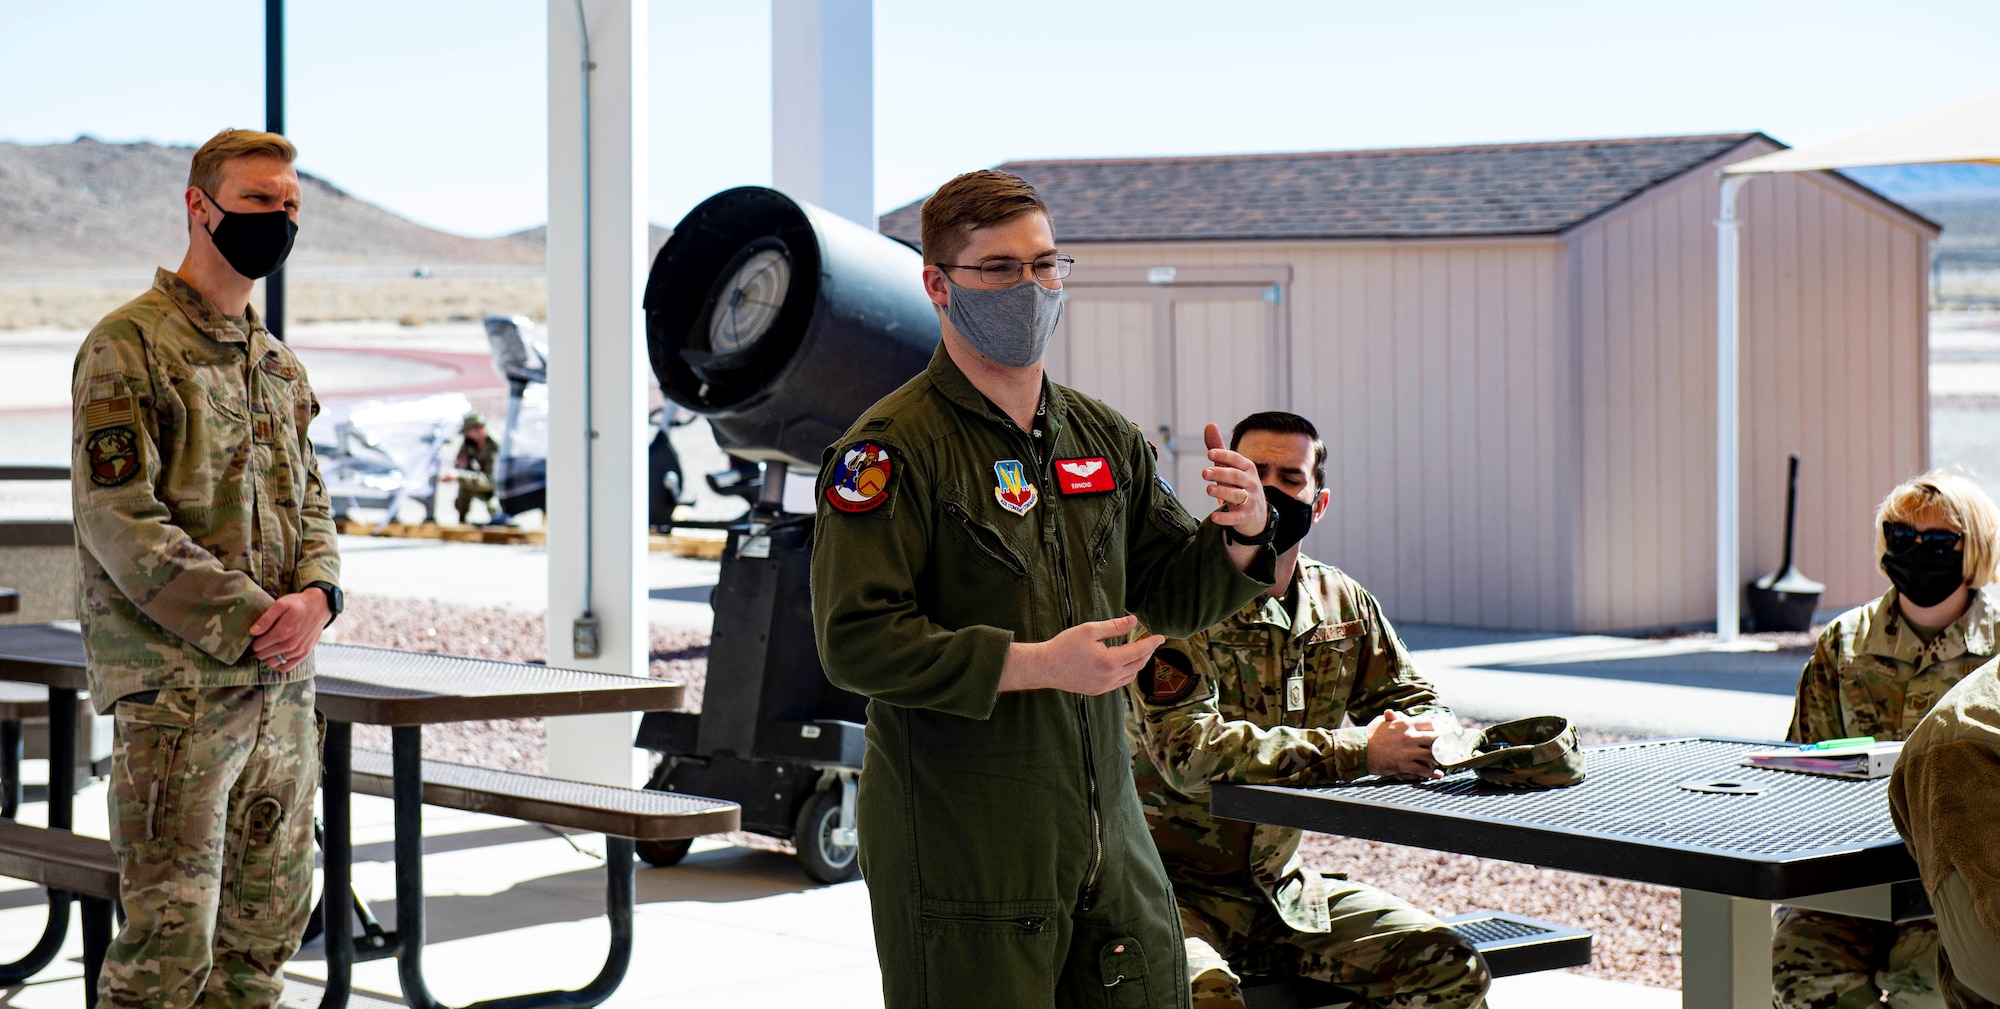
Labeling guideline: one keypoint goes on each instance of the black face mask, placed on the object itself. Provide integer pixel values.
(255, 245)
(1295, 519)
(1925, 576)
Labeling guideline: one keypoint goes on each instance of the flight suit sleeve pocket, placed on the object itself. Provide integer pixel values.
(1012, 942)
(1121, 968)
(148, 756)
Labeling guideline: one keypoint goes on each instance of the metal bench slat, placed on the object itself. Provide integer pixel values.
(58, 859)
(23, 700)
(640, 814)
(1517, 944)
(1511, 943)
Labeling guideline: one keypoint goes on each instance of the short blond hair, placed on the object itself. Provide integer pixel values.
(1946, 497)
(205, 172)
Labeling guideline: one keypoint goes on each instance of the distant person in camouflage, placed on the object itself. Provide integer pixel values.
(1260, 699)
(475, 470)
(1876, 671)
(209, 570)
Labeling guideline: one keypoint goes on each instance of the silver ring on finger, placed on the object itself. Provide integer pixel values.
(280, 657)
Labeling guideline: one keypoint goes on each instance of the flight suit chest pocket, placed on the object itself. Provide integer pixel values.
(981, 540)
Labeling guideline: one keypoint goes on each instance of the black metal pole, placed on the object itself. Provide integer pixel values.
(1791, 511)
(274, 121)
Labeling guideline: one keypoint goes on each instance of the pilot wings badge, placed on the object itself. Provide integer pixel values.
(1085, 476)
(1015, 493)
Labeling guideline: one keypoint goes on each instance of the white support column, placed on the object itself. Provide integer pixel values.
(1728, 364)
(1725, 952)
(597, 368)
(823, 104)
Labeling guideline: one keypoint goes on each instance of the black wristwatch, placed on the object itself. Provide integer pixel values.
(1264, 538)
(335, 600)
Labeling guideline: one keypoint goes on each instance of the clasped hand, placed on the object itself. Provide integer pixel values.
(286, 633)
(1400, 747)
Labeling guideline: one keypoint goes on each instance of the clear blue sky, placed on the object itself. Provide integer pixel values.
(436, 108)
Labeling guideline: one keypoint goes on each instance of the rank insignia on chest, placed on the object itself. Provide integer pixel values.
(1015, 493)
(861, 480)
(1085, 476)
(114, 456)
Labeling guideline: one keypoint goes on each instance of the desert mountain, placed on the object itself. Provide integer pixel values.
(91, 205)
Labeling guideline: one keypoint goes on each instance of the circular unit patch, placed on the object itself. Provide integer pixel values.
(861, 479)
(114, 456)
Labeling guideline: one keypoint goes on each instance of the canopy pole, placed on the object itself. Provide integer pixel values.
(1728, 362)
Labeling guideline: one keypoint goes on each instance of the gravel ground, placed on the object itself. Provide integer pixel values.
(1637, 927)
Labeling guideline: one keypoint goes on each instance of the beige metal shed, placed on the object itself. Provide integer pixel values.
(1510, 350)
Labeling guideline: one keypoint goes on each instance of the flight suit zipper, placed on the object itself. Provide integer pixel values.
(1042, 467)
(1028, 923)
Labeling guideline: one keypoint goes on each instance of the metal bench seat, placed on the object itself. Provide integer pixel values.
(1511, 943)
(83, 867)
(606, 809)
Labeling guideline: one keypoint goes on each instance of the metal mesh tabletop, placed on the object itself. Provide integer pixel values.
(1779, 835)
(383, 686)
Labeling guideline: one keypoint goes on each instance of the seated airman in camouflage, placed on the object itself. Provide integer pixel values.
(209, 569)
(1260, 699)
(476, 469)
(1876, 671)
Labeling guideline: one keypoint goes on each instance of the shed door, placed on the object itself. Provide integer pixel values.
(1173, 359)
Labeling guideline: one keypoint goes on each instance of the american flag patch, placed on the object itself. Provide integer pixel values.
(111, 412)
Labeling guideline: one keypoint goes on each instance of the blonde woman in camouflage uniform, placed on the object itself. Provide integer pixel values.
(1259, 699)
(1876, 671)
(209, 570)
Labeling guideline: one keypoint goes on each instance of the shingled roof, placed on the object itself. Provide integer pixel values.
(1432, 192)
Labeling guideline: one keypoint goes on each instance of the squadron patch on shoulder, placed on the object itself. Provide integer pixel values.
(1168, 678)
(861, 478)
(113, 455)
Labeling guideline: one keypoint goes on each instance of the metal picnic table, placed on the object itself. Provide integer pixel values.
(403, 690)
(1675, 812)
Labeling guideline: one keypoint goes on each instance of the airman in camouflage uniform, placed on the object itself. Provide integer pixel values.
(1872, 675)
(475, 469)
(1876, 672)
(208, 555)
(1260, 699)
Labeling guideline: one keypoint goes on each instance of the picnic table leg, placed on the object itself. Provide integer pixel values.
(337, 767)
(62, 803)
(1725, 951)
(620, 895)
(10, 768)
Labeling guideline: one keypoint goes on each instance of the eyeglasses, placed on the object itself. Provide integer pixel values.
(1007, 271)
(1902, 536)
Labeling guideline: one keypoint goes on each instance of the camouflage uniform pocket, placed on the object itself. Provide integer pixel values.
(259, 858)
(147, 758)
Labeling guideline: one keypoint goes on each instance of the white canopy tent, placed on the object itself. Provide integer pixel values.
(1965, 133)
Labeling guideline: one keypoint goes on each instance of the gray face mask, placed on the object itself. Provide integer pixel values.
(1011, 325)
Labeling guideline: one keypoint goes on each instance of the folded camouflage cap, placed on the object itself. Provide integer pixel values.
(1537, 752)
